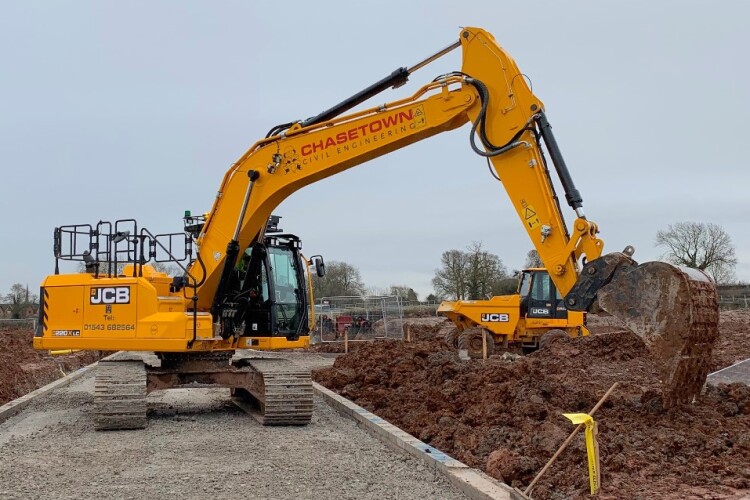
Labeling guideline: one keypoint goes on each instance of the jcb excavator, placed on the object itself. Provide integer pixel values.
(196, 321)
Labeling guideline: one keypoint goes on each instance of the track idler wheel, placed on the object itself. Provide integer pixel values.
(675, 311)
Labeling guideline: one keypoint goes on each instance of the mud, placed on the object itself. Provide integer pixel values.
(505, 417)
(733, 344)
(22, 369)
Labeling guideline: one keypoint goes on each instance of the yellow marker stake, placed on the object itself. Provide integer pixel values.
(592, 447)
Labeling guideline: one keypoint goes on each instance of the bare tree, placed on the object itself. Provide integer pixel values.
(104, 268)
(376, 291)
(20, 299)
(474, 274)
(533, 259)
(406, 293)
(168, 268)
(341, 279)
(700, 245)
(450, 278)
(485, 272)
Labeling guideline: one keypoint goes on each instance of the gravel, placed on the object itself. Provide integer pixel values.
(199, 445)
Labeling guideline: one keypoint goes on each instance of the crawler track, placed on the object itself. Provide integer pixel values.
(282, 390)
(120, 395)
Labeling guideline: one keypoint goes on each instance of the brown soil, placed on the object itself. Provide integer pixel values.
(505, 417)
(733, 344)
(333, 347)
(22, 369)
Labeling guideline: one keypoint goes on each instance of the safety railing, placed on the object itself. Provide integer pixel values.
(105, 248)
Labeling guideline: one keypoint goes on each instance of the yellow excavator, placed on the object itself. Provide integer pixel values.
(196, 321)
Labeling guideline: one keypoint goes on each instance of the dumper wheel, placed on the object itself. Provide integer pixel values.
(471, 341)
(451, 338)
(555, 333)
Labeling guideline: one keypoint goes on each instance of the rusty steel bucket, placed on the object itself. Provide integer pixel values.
(675, 311)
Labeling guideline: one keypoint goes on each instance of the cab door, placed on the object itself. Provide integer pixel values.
(540, 303)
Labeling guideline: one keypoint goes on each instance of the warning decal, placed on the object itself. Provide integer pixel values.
(531, 219)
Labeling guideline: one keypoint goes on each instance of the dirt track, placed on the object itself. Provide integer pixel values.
(506, 417)
(199, 445)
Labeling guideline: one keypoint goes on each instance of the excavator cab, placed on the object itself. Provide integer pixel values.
(268, 298)
(272, 279)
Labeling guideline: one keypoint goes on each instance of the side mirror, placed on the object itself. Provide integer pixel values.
(320, 265)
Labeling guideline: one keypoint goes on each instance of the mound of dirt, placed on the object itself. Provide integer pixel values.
(733, 344)
(604, 323)
(333, 347)
(22, 369)
(505, 417)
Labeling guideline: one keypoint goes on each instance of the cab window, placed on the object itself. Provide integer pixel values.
(523, 288)
(541, 288)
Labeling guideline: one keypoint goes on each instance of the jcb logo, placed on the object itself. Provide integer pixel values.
(495, 318)
(110, 295)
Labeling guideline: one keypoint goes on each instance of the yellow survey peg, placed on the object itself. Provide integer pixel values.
(592, 447)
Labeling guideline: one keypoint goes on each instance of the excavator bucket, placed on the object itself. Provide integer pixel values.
(675, 311)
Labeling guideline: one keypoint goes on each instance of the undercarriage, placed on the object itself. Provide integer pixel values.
(274, 390)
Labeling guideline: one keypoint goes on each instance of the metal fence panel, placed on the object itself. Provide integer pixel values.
(735, 300)
(360, 318)
(18, 324)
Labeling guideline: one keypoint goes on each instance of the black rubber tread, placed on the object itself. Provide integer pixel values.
(451, 338)
(471, 341)
(554, 333)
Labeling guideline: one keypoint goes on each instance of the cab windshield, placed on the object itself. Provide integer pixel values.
(287, 289)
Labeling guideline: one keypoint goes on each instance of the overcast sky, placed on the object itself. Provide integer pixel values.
(136, 109)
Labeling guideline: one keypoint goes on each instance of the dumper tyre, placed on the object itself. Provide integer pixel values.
(451, 338)
(555, 333)
(471, 341)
